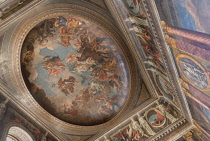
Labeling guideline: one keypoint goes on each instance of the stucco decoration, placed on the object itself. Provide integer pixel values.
(75, 70)
(165, 87)
(19, 134)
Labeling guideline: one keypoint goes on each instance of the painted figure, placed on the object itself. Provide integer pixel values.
(170, 108)
(66, 29)
(123, 135)
(133, 5)
(67, 85)
(28, 57)
(159, 118)
(53, 65)
(61, 21)
(141, 28)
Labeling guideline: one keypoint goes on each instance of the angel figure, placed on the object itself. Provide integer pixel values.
(66, 85)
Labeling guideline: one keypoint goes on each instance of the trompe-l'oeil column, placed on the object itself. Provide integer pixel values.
(187, 34)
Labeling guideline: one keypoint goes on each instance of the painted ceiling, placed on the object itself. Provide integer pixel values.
(190, 55)
(85, 81)
(75, 70)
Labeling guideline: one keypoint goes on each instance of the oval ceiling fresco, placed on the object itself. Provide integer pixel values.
(75, 70)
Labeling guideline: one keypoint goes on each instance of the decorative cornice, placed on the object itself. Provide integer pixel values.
(133, 45)
(169, 130)
(19, 13)
(172, 73)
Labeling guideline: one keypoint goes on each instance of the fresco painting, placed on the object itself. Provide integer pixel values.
(162, 115)
(148, 44)
(194, 72)
(200, 114)
(153, 120)
(193, 135)
(191, 14)
(197, 80)
(133, 5)
(130, 134)
(191, 54)
(123, 134)
(75, 70)
(150, 49)
(194, 14)
(140, 23)
(156, 118)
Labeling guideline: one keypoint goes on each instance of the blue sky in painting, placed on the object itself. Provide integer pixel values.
(44, 79)
(194, 14)
(47, 81)
(186, 19)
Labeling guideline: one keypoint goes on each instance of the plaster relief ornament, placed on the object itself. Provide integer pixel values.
(44, 137)
(137, 127)
(140, 24)
(125, 133)
(107, 139)
(146, 126)
(163, 110)
(147, 39)
(75, 70)
(3, 108)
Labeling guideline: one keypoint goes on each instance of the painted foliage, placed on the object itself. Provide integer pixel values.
(141, 26)
(75, 70)
(164, 87)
